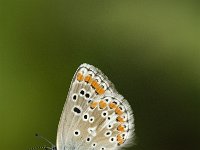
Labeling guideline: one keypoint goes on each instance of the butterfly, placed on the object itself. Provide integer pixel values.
(95, 116)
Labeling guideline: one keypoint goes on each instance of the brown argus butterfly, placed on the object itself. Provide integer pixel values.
(95, 116)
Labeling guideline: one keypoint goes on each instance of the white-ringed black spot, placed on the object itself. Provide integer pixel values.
(104, 114)
(102, 148)
(77, 110)
(82, 92)
(88, 139)
(108, 133)
(94, 144)
(112, 139)
(87, 95)
(76, 133)
(91, 120)
(109, 126)
(74, 97)
(85, 117)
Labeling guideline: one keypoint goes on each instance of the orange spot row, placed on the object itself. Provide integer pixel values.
(120, 119)
(102, 104)
(88, 78)
(93, 105)
(112, 105)
(120, 128)
(93, 83)
(118, 111)
(120, 139)
(79, 77)
(100, 91)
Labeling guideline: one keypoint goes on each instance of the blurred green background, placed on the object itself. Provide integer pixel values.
(149, 49)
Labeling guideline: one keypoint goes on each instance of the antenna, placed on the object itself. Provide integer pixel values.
(37, 135)
(40, 147)
(53, 147)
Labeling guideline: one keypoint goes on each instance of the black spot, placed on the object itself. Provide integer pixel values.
(106, 100)
(87, 95)
(108, 133)
(92, 107)
(88, 139)
(85, 116)
(77, 110)
(89, 101)
(108, 118)
(104, 113)
(109, 126)
(112, 139)
(94, 144)
(82, 92)
(76, 132)
(115, 102)
(74, 97)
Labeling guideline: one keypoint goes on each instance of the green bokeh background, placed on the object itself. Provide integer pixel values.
(149, 49)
